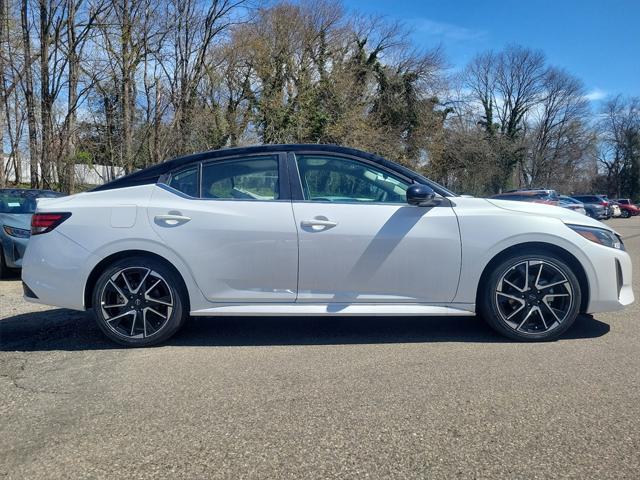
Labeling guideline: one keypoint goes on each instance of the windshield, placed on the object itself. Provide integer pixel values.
(22, 201)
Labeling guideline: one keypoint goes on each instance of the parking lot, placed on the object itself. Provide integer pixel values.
(318, 398)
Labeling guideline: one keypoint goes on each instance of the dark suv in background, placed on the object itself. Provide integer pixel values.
(596, 200)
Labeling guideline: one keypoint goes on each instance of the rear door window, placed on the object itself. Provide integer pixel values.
(254, 178)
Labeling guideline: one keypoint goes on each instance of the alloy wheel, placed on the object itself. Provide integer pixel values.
(136, 302)
(534, 296)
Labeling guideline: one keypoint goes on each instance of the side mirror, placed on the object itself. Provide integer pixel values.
(421, 195)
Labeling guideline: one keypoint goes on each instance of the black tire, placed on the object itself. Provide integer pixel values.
(3, 266)
(142, 328)
(625, 214)
(493, 302)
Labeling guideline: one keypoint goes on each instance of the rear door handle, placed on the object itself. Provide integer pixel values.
(171, 220)
(319, 223)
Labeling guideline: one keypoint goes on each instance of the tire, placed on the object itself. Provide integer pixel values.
(625, 214)
(139, 301)
(3, 265)
(519, 310)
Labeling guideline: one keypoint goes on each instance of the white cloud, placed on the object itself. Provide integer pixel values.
(596, 94)
(447, 31)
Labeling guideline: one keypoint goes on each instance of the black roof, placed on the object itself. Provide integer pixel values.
(153, 173)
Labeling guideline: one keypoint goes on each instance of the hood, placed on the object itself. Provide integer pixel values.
(563, 214)
(18, 220)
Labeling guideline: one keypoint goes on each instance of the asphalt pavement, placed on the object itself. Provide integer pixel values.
(319, 398)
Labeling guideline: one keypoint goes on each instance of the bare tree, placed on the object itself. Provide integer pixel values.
(196, 29)
(506, 85)
(620, 145)
(557, 133)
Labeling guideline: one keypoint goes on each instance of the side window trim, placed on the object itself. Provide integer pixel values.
(297, 191)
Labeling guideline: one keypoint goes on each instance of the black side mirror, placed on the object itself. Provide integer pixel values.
(421, 195)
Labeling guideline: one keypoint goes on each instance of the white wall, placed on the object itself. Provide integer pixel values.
(85, 174)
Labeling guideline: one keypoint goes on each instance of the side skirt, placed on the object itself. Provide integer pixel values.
(338, 309)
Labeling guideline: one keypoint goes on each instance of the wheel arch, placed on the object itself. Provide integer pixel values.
(540, 247)
(114, 257)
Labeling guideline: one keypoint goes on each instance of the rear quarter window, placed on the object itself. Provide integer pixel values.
(186, 181)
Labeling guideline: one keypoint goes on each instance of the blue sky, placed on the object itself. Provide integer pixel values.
(598, 41)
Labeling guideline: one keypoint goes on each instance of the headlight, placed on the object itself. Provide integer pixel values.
(599, 235)
(16, 232)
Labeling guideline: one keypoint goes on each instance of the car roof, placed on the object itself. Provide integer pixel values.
(153, 173)
(529, 190)
(524, 193)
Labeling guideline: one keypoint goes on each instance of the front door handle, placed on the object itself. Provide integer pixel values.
(318, 223)
(171, 220)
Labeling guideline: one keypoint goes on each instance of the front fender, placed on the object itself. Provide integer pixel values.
(478, 250)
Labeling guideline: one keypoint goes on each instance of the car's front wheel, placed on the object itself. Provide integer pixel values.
(139, 301)
(531, 297)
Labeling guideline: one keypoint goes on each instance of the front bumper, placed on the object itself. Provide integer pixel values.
(610, 283)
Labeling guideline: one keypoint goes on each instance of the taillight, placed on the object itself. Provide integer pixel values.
(45, 222)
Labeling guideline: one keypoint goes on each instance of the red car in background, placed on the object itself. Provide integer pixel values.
(627, 207)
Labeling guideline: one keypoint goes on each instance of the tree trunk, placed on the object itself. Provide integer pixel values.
(67, 177)
(3, 93)
(127, 97)
(156, 126)
(45, 98)
(34, 154)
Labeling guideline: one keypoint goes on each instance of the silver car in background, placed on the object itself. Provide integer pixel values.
(16, 208)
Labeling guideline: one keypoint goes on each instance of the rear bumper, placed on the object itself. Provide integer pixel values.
(56, 278)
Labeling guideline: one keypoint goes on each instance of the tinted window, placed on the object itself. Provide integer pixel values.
(546, 196)
(186, 181)
(255, 178)
(331, 179)
(588, 198)
(510, 196)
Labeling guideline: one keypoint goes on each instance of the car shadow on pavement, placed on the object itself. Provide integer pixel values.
(69, 330)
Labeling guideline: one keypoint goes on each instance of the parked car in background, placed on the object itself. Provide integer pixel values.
(608, 204)
(593, 210)
(627, 208)
(595, 200)
(314, 230)
(615, 209)
(571, 204)
(16, 208)
(548, 197)
(624, 201)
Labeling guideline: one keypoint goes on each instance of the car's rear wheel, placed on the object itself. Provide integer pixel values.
(531, 297)
(139, 301)
(625, 214)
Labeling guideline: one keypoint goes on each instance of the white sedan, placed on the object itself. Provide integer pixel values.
(314, 230)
